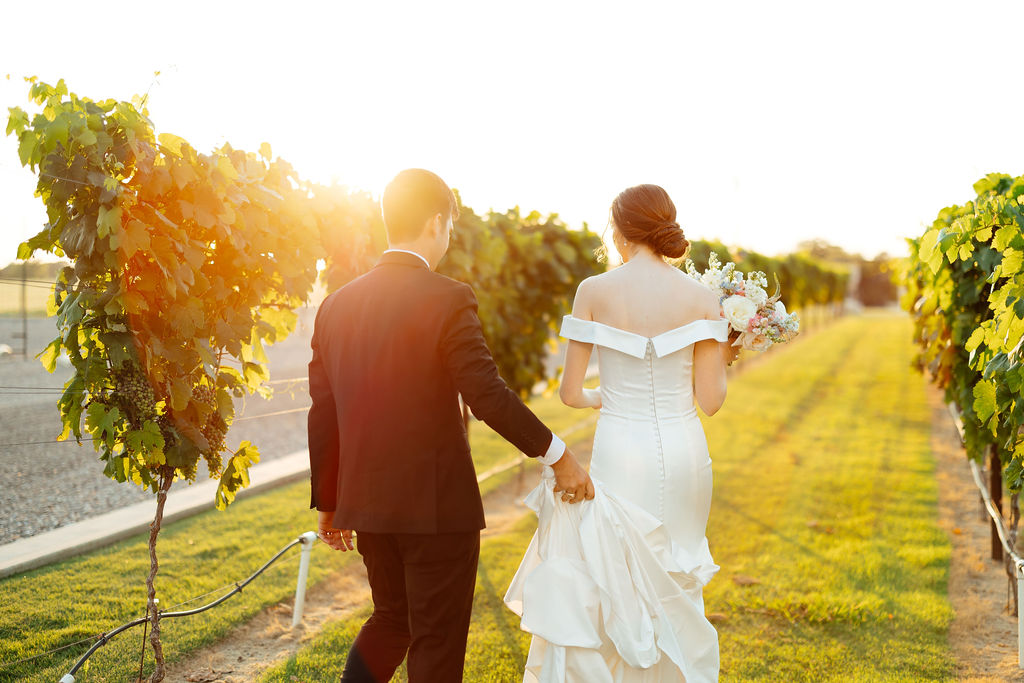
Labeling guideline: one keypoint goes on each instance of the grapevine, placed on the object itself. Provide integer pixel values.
(179, 259)
(965, 291)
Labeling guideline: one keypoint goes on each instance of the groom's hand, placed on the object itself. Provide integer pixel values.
(339, 539)
(571, 480)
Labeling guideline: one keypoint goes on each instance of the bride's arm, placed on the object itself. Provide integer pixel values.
(709, 361)
(577, 357)
(572, 393)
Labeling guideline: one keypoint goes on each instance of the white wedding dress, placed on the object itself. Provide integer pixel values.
(612, 588)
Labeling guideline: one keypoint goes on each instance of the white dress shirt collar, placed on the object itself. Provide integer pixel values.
(406, 251)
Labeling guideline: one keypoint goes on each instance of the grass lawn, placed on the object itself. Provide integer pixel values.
(496, 649)
(824, 495)
(84, 596)
(829, 500)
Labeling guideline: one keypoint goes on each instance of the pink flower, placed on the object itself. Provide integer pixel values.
(759, 343)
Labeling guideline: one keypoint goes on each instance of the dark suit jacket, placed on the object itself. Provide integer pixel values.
(388, 452)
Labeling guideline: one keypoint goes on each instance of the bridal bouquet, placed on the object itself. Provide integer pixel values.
(760, 319)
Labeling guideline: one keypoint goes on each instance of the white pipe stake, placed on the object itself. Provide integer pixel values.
(1020, 618)
(307, 539)
(1004, 536)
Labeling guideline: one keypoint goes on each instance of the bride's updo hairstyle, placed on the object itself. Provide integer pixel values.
(646, 215)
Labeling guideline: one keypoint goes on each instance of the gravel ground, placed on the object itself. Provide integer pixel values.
(45, 486)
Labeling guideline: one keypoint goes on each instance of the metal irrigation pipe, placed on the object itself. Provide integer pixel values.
(1004, 536)
(306, 540)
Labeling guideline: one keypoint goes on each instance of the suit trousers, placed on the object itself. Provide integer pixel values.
(422, 587)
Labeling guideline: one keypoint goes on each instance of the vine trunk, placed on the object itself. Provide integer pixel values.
(166, 477)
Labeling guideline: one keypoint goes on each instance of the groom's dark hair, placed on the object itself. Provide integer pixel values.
(411, 199)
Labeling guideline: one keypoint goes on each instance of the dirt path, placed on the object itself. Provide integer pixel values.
(983, 635)
(268, 637)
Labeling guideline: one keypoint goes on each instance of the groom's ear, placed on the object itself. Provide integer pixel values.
(437, 225)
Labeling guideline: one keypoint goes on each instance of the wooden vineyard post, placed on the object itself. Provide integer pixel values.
(1012, 570)
(995, 488)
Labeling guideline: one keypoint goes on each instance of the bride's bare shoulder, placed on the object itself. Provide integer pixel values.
(586, 292)
(698, 291)
(594, 292)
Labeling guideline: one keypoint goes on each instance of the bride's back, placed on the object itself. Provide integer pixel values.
(645, 317)
(649, 310)
(646, 298)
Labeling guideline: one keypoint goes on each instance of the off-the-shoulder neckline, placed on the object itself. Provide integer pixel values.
(635, 334)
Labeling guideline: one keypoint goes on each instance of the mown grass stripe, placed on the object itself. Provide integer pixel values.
(832, 430)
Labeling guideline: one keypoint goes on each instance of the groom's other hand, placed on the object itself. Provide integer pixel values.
(571, 479)
(339, 539)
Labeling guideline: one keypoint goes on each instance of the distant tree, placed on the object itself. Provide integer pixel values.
(701, 250)
(804, 280)
(875, 284)
(878, 281)
(33, 269)
(822, 250)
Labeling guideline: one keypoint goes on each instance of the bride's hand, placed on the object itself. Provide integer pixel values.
(729, 352)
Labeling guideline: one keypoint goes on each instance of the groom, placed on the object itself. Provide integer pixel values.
(389, 458)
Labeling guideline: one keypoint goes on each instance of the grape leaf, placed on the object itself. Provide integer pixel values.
(984, 399)
(1004, 236)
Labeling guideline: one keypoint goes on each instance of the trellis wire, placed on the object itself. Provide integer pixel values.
(16, 389)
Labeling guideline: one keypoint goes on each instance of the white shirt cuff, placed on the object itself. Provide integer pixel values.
(555, 451)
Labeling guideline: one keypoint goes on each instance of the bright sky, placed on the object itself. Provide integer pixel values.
(767, 122)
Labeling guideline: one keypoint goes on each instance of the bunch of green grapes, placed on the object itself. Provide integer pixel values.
(215, 429)
(133, 393)
(205, 394)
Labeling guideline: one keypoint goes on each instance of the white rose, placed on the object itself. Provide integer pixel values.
(780, 308)
(739, 310)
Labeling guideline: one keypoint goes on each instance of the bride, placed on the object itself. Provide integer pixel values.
(611, 588)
